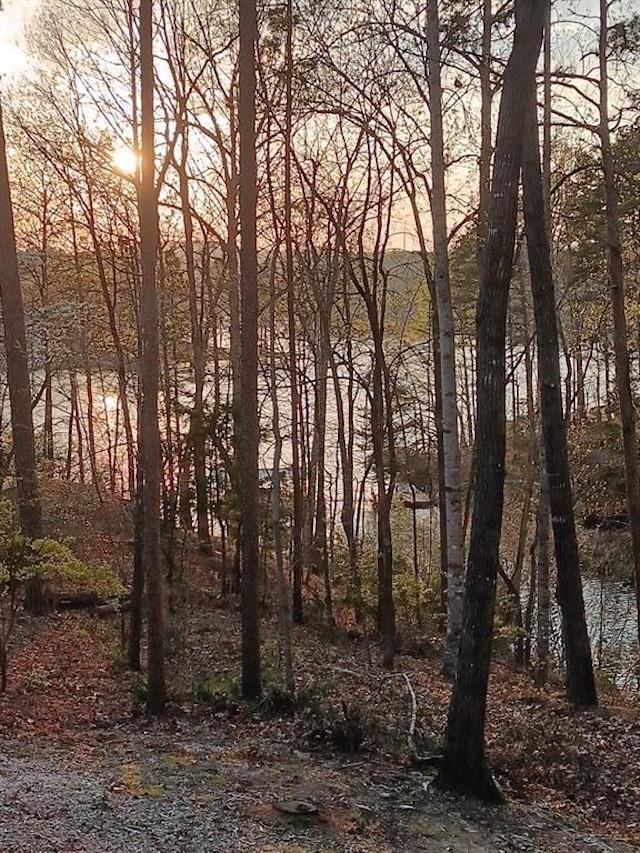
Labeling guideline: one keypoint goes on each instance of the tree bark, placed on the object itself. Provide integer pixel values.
(284, 609)
(15, 341)
(464, 767)
(580, 682)
(616, 284)
(486, 99)
(442, 288)
(298, 504)
(248, 417)
(542, 575)
(149, 428)
(197, 426)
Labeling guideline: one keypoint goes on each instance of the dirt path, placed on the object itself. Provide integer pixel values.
(195, 787)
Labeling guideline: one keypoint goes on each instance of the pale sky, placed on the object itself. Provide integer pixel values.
(14, 19)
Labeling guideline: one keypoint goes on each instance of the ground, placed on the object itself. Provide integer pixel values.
(82, 770)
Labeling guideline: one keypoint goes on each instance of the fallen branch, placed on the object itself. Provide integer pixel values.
(417, 759)
(90, 601)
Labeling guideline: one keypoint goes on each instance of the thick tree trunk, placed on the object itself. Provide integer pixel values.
(580, 682)
(15, 341)
(464, 766)
(248, 417)
(442, 288)
(149, 428)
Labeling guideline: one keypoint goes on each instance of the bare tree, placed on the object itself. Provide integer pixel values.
(465, 767)
(442, 289)
(580, 682)
(248, 420)
(15, 340)
(149, 428)
(616, 284)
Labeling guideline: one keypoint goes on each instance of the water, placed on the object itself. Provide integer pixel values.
(610, 604)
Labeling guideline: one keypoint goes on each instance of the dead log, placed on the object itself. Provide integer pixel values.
(75, 600)
(90, 601)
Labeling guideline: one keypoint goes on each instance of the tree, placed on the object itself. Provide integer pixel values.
(298, 508)
(442, 289)
(149, 427)
(464, 766)
(616, 285)
(581, 688)
(248, 420)
(15, 340)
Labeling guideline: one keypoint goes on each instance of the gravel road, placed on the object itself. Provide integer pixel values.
(187, 792)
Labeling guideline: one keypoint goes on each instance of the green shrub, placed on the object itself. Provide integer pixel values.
(22, 559)
(220, 691)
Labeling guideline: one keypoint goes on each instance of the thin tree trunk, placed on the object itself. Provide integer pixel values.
(345, 445)
(248, 420)
(48, 410)
(149, 428)
(580, 683)
(616, 284)
(442, 288)
(197, 426)
(542, 576)
(298, 505)
(284, 611)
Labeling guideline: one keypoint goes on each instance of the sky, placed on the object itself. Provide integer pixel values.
(16, 16)
(14, 19)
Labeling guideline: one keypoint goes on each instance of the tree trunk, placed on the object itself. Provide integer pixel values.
(442, 288)
(486, 99)
(284, 610)
(616, 284)
(15, 340)
(197, 430)
(542, 575)
(149, 428)
(17, 364)
(47, 439)
(319, 548)
(345, 444)
(580, 683)
(298, 504)
(464, 767)
(248, 417)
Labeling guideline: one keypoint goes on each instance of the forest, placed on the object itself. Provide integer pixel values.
(319, 468)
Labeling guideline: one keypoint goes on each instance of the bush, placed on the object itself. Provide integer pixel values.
(22, 559)
(221, 692)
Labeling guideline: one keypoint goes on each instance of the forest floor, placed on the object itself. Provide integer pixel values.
(81, 769)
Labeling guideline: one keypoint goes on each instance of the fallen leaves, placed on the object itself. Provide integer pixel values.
(62, 683)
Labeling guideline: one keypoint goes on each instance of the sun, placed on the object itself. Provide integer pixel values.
(110, 402)
(13, 60)
(125, 160)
